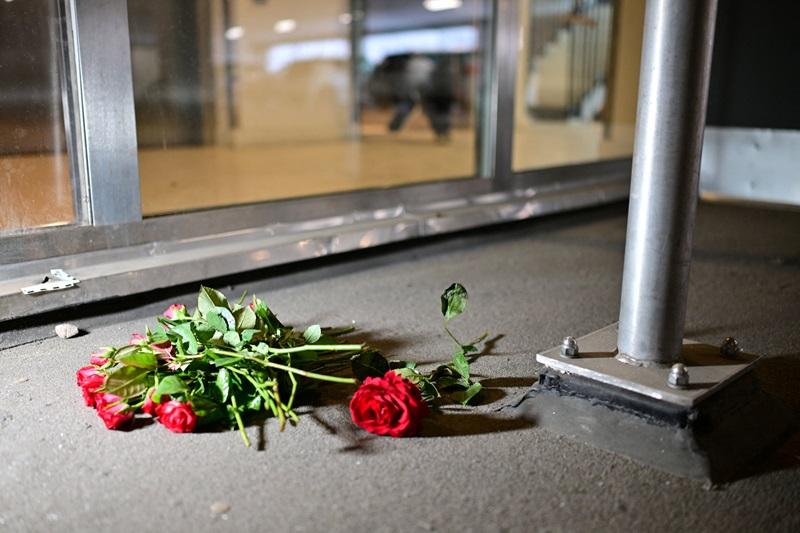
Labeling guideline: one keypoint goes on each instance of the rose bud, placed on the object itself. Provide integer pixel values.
(389, 405)
(164, 350)
(112, 410)
(136, 338)
(176, 416)
(99, 358)
(90, 380)
(175, 311)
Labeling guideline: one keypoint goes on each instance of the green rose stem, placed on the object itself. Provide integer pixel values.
(317, 348)
(294, 391)
(281, 414)
(304, 373)
(265, 394)
(239, 421)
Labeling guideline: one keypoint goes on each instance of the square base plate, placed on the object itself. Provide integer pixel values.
(708, 369)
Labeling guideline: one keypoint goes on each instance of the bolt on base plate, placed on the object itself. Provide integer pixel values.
(708, 369)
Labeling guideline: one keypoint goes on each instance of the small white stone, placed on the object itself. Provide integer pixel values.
(67, 330)
(220, 507)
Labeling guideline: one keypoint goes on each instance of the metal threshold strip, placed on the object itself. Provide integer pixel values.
(127, 270)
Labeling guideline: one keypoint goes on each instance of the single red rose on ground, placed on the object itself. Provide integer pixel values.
(89, 380)
(111, 409)
(389, 405)
(176, 416)
(175, 311)
(136, 338)
(150, 407)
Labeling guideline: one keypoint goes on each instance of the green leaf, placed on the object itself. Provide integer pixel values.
(454, 301)
(203, 331)
(139, 360)
(158, 337)
(445, 377)
(425, 385)
(231, 338)
(225, 313)
(408, 373)
(245, 318)
(312, 334)
(126, 350)
(169, 385)
(460, 363)
(265, 313)
(368, 364)
(428, 390)
(248, 334)
(223, 383)
(254, 403)
(185, 332)
(216, 321)
(209, 299)
(465, 396)
(225, 361)
(208, 412)
(127, 381)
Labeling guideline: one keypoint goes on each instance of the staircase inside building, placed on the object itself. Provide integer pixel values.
(569, 58)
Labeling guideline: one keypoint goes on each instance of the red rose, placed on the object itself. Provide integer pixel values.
(389, 405)
(176, 416)
(175, 311)
(150, 407)
(112, 410)
(89, 380)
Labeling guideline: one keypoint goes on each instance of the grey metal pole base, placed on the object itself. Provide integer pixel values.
(710, 428)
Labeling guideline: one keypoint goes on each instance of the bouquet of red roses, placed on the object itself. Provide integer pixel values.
(225, 361)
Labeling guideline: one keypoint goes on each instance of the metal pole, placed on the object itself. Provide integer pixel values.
(673, 88)
(358, 16)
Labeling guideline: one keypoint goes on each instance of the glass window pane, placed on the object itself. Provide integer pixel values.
(577, 81)
(35, 188)
(249, 100)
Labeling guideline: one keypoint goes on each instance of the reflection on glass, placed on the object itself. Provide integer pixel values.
(250, 100)
(577, 79)
(34, 171)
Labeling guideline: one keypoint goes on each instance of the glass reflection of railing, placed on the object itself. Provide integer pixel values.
(570, 48)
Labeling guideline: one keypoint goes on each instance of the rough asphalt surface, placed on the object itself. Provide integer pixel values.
(472, 469)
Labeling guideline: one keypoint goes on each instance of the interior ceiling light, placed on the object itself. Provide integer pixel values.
(285, 26)
(234, 32)
(441, 5)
